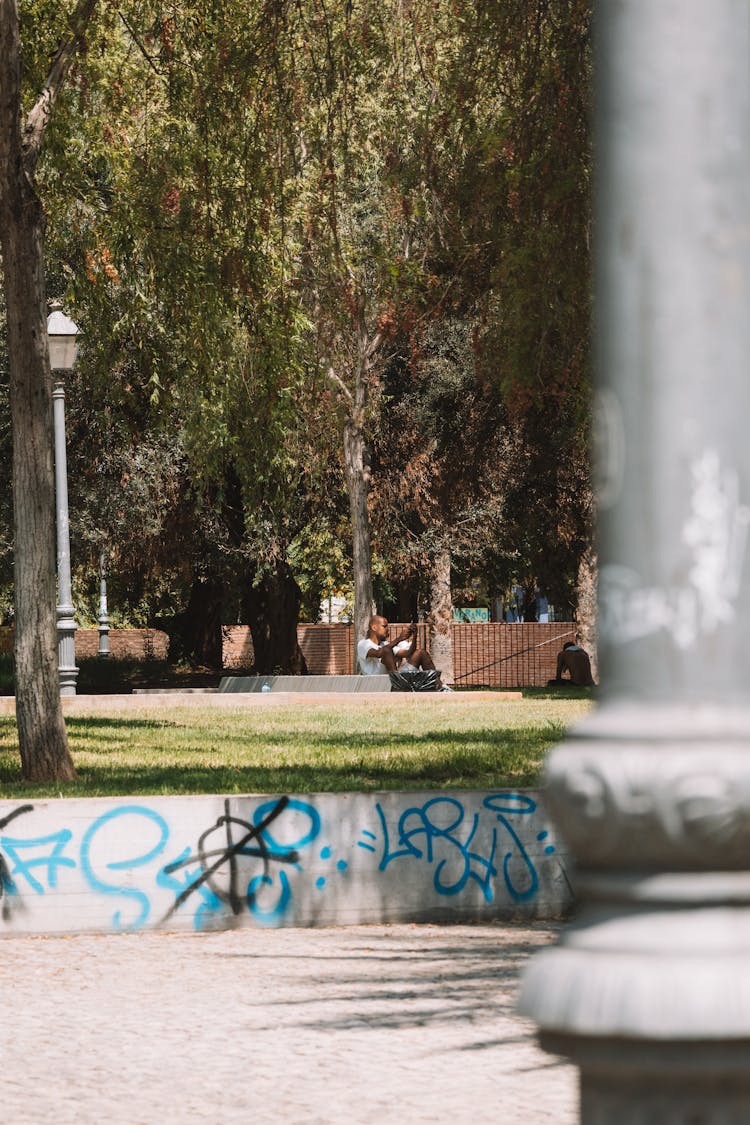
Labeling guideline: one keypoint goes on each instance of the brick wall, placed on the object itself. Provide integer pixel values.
(484, 655)
(328, 649)
(508, 655)
(124, 644)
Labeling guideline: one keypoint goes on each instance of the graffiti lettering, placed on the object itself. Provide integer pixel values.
(51, 861)
(93, 837)
(442, 825)
(210, 903)
(440, 819)
(219, 865)
(505, 805)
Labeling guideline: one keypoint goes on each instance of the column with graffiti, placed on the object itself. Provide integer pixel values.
(647, 989)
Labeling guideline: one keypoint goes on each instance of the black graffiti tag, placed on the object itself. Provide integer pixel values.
(221, 875)
(7, 886)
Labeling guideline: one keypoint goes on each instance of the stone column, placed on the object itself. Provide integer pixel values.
(649, 989)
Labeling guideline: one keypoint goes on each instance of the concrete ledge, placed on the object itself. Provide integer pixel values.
(305, 684)
(214, 862)
(174, 691)
(86, 704)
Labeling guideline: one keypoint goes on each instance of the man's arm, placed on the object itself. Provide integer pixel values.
(386, 653)
(406, 653)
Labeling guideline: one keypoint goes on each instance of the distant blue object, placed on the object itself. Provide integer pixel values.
(266, 686)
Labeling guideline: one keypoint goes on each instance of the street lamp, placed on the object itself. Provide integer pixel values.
(63, 348)
(103, 615)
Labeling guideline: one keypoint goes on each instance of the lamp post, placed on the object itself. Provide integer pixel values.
(103, 615)
(63, 348)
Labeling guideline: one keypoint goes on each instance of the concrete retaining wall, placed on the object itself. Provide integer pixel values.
(348, 684)
(215, 862)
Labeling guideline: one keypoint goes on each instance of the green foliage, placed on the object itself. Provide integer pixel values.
(239, 196)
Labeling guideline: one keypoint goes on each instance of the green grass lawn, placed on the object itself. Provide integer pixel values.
(483, 744)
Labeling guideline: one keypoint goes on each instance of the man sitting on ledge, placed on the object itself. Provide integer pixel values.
(378, 656)
(375, 652)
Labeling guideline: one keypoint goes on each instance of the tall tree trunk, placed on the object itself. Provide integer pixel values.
(586, 616)
(357, 474)
(406, 601)
(202, 641)
(272, 609)
(41, 731)
(440, 617)
(529, 602)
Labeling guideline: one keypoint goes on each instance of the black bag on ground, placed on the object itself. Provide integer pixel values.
(415, 681)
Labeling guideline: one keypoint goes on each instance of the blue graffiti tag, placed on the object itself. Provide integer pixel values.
(520, 805)
(7, 886)
(52, 860)
(128, 864)
(260, 819)
(425, 823)
(442, 822)
(273, 914)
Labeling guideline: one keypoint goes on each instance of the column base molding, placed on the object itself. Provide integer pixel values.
(625, 1082)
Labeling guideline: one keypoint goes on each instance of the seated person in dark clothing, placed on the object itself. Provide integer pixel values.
(575, 661)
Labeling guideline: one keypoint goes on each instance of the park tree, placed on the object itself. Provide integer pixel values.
(533, 339)
(41, 729)
(447, 430)
(491, 184)
(512, 185)
(376, 125)
(179, 257)
(278, 219)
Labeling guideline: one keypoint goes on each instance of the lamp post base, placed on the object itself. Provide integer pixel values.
(66, 649)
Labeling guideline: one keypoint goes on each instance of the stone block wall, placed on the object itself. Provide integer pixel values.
(214, 862)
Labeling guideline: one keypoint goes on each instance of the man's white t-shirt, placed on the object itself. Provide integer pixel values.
(371, 666)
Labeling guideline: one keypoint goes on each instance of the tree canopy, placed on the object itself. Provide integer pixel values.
(332, 265)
